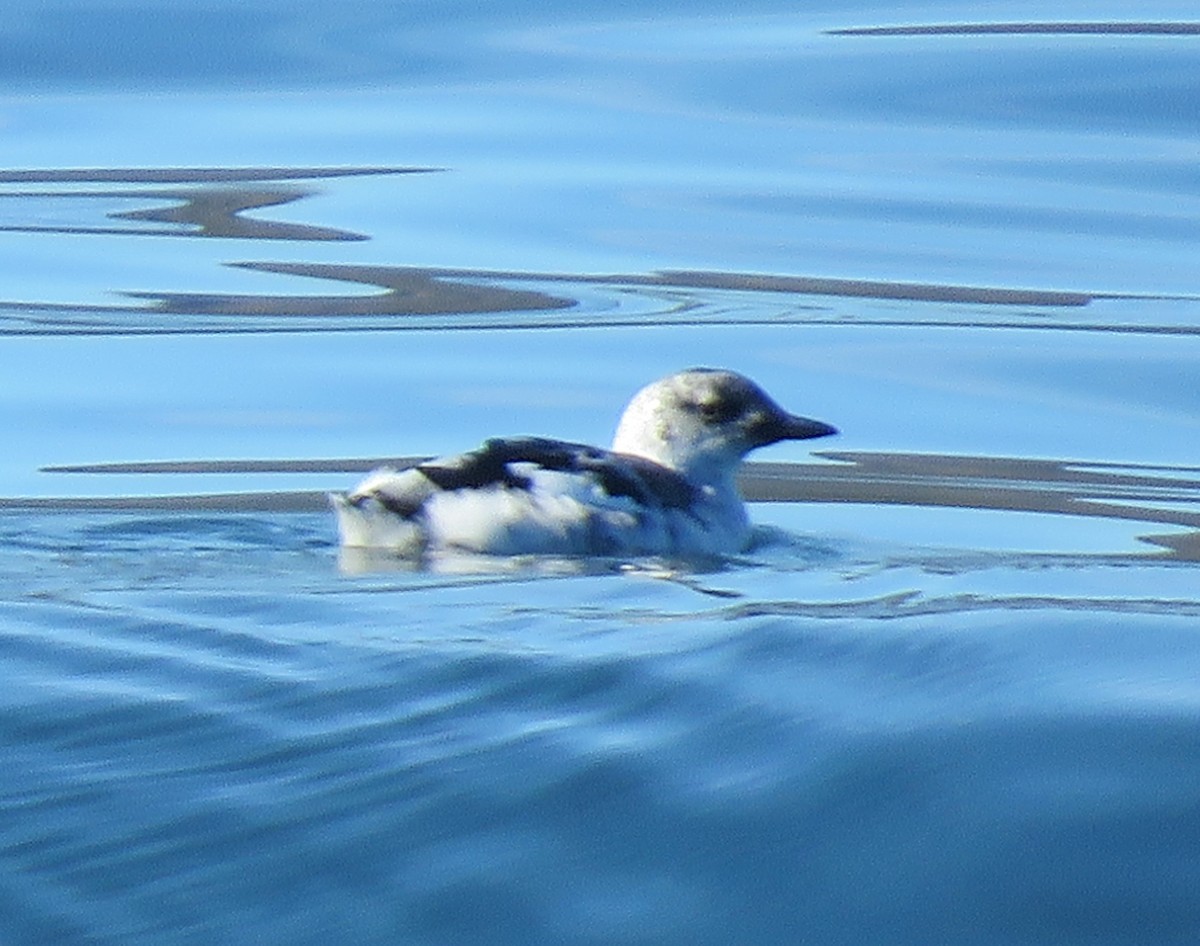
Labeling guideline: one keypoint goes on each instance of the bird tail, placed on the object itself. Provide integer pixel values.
(366, 523)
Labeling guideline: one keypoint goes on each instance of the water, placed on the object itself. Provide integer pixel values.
(948, 695)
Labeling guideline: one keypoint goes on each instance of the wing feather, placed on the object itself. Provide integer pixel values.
(405, 492)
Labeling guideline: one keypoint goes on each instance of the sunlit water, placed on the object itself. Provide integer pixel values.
(949, 694)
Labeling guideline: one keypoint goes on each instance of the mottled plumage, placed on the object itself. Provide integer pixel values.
(665, 487)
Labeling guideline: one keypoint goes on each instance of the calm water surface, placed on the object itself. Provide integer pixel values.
(949, 695)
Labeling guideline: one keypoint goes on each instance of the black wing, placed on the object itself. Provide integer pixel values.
(640, 479)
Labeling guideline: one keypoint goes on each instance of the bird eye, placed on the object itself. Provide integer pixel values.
(719, 410)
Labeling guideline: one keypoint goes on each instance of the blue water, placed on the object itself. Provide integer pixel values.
(950, 693)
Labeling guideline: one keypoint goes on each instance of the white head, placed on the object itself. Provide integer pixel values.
(702, 421)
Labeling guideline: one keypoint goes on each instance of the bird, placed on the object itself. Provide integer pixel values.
(666, 486)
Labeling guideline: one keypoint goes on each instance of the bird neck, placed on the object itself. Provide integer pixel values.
(644, 432)
(714, 473)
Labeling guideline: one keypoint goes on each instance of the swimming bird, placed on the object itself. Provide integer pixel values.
(665, 487)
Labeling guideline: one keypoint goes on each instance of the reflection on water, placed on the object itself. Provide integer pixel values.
(1150, 494)
(212, 207)
(1108, 28)
(422, 298)
(210, 213)
(181, 175)
(197, 211)
(221, 204)
(945, 697)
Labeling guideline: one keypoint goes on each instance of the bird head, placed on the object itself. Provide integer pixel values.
(703, 421)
